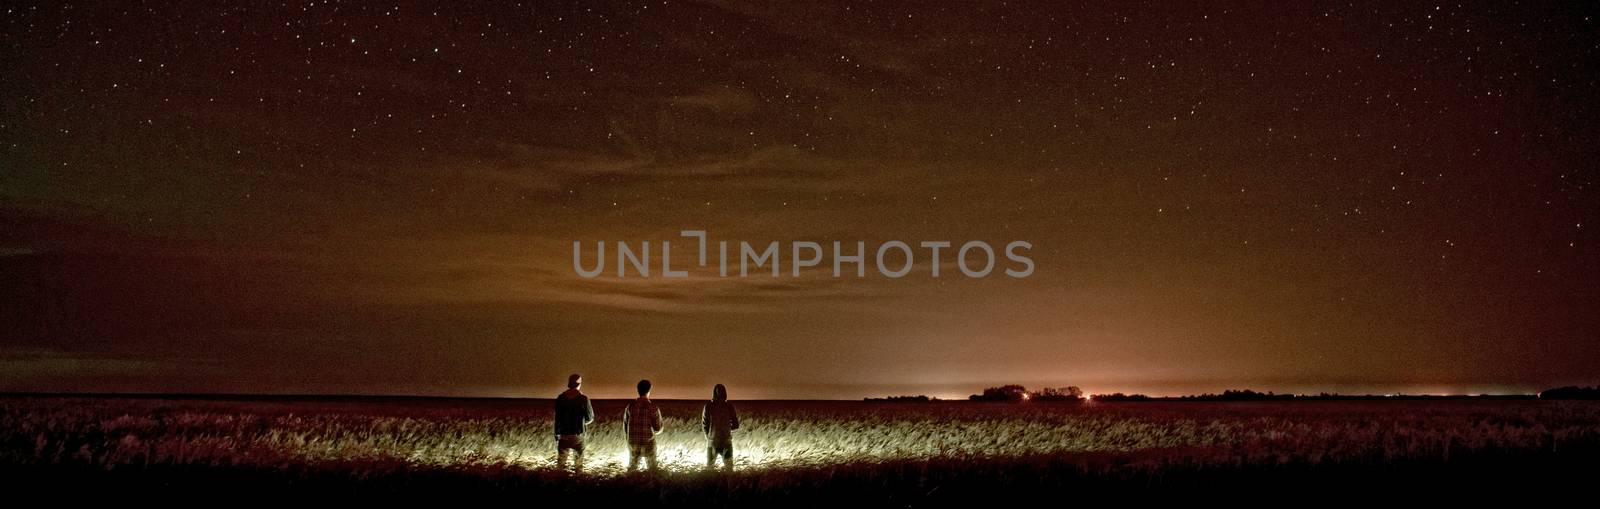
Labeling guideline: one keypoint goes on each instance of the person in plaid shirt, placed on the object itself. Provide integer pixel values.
(642, 420)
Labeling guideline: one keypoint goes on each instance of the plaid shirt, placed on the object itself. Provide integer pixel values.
(642, 420)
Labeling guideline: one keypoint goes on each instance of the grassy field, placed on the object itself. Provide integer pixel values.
(887, 452)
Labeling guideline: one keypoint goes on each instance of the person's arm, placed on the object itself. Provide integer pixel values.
(626, 417)
(705, 418)
(733, 417)
(657, 424)
(588, 412)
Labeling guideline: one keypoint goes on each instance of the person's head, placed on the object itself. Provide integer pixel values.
(719, 393)
(644, 388)
(574, 381)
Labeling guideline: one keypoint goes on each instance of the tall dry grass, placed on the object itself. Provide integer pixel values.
(387, 435)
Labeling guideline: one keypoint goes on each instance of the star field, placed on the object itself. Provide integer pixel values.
(381, 197)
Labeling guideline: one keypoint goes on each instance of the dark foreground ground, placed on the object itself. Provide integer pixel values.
(808, 453)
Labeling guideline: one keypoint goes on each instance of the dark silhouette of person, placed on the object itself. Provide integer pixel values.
(573, 412)
(642, 420)
(718, 419)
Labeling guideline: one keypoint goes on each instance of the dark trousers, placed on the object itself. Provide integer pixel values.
(566, 443)
(723, 448)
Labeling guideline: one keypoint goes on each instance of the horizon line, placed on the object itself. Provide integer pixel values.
(271, 395)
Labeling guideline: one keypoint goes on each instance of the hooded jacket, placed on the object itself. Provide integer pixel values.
(573, 412)
(718, 419)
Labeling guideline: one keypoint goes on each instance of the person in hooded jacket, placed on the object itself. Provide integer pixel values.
(718, 419)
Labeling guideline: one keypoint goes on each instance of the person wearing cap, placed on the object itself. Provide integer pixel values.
(573, 412)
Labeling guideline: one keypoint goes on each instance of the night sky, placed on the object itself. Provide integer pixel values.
(326, 197)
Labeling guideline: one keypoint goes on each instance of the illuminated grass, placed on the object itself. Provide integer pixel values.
(120, 434)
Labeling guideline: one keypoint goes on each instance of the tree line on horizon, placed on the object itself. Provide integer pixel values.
(1003, 393)
(1019, 393)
